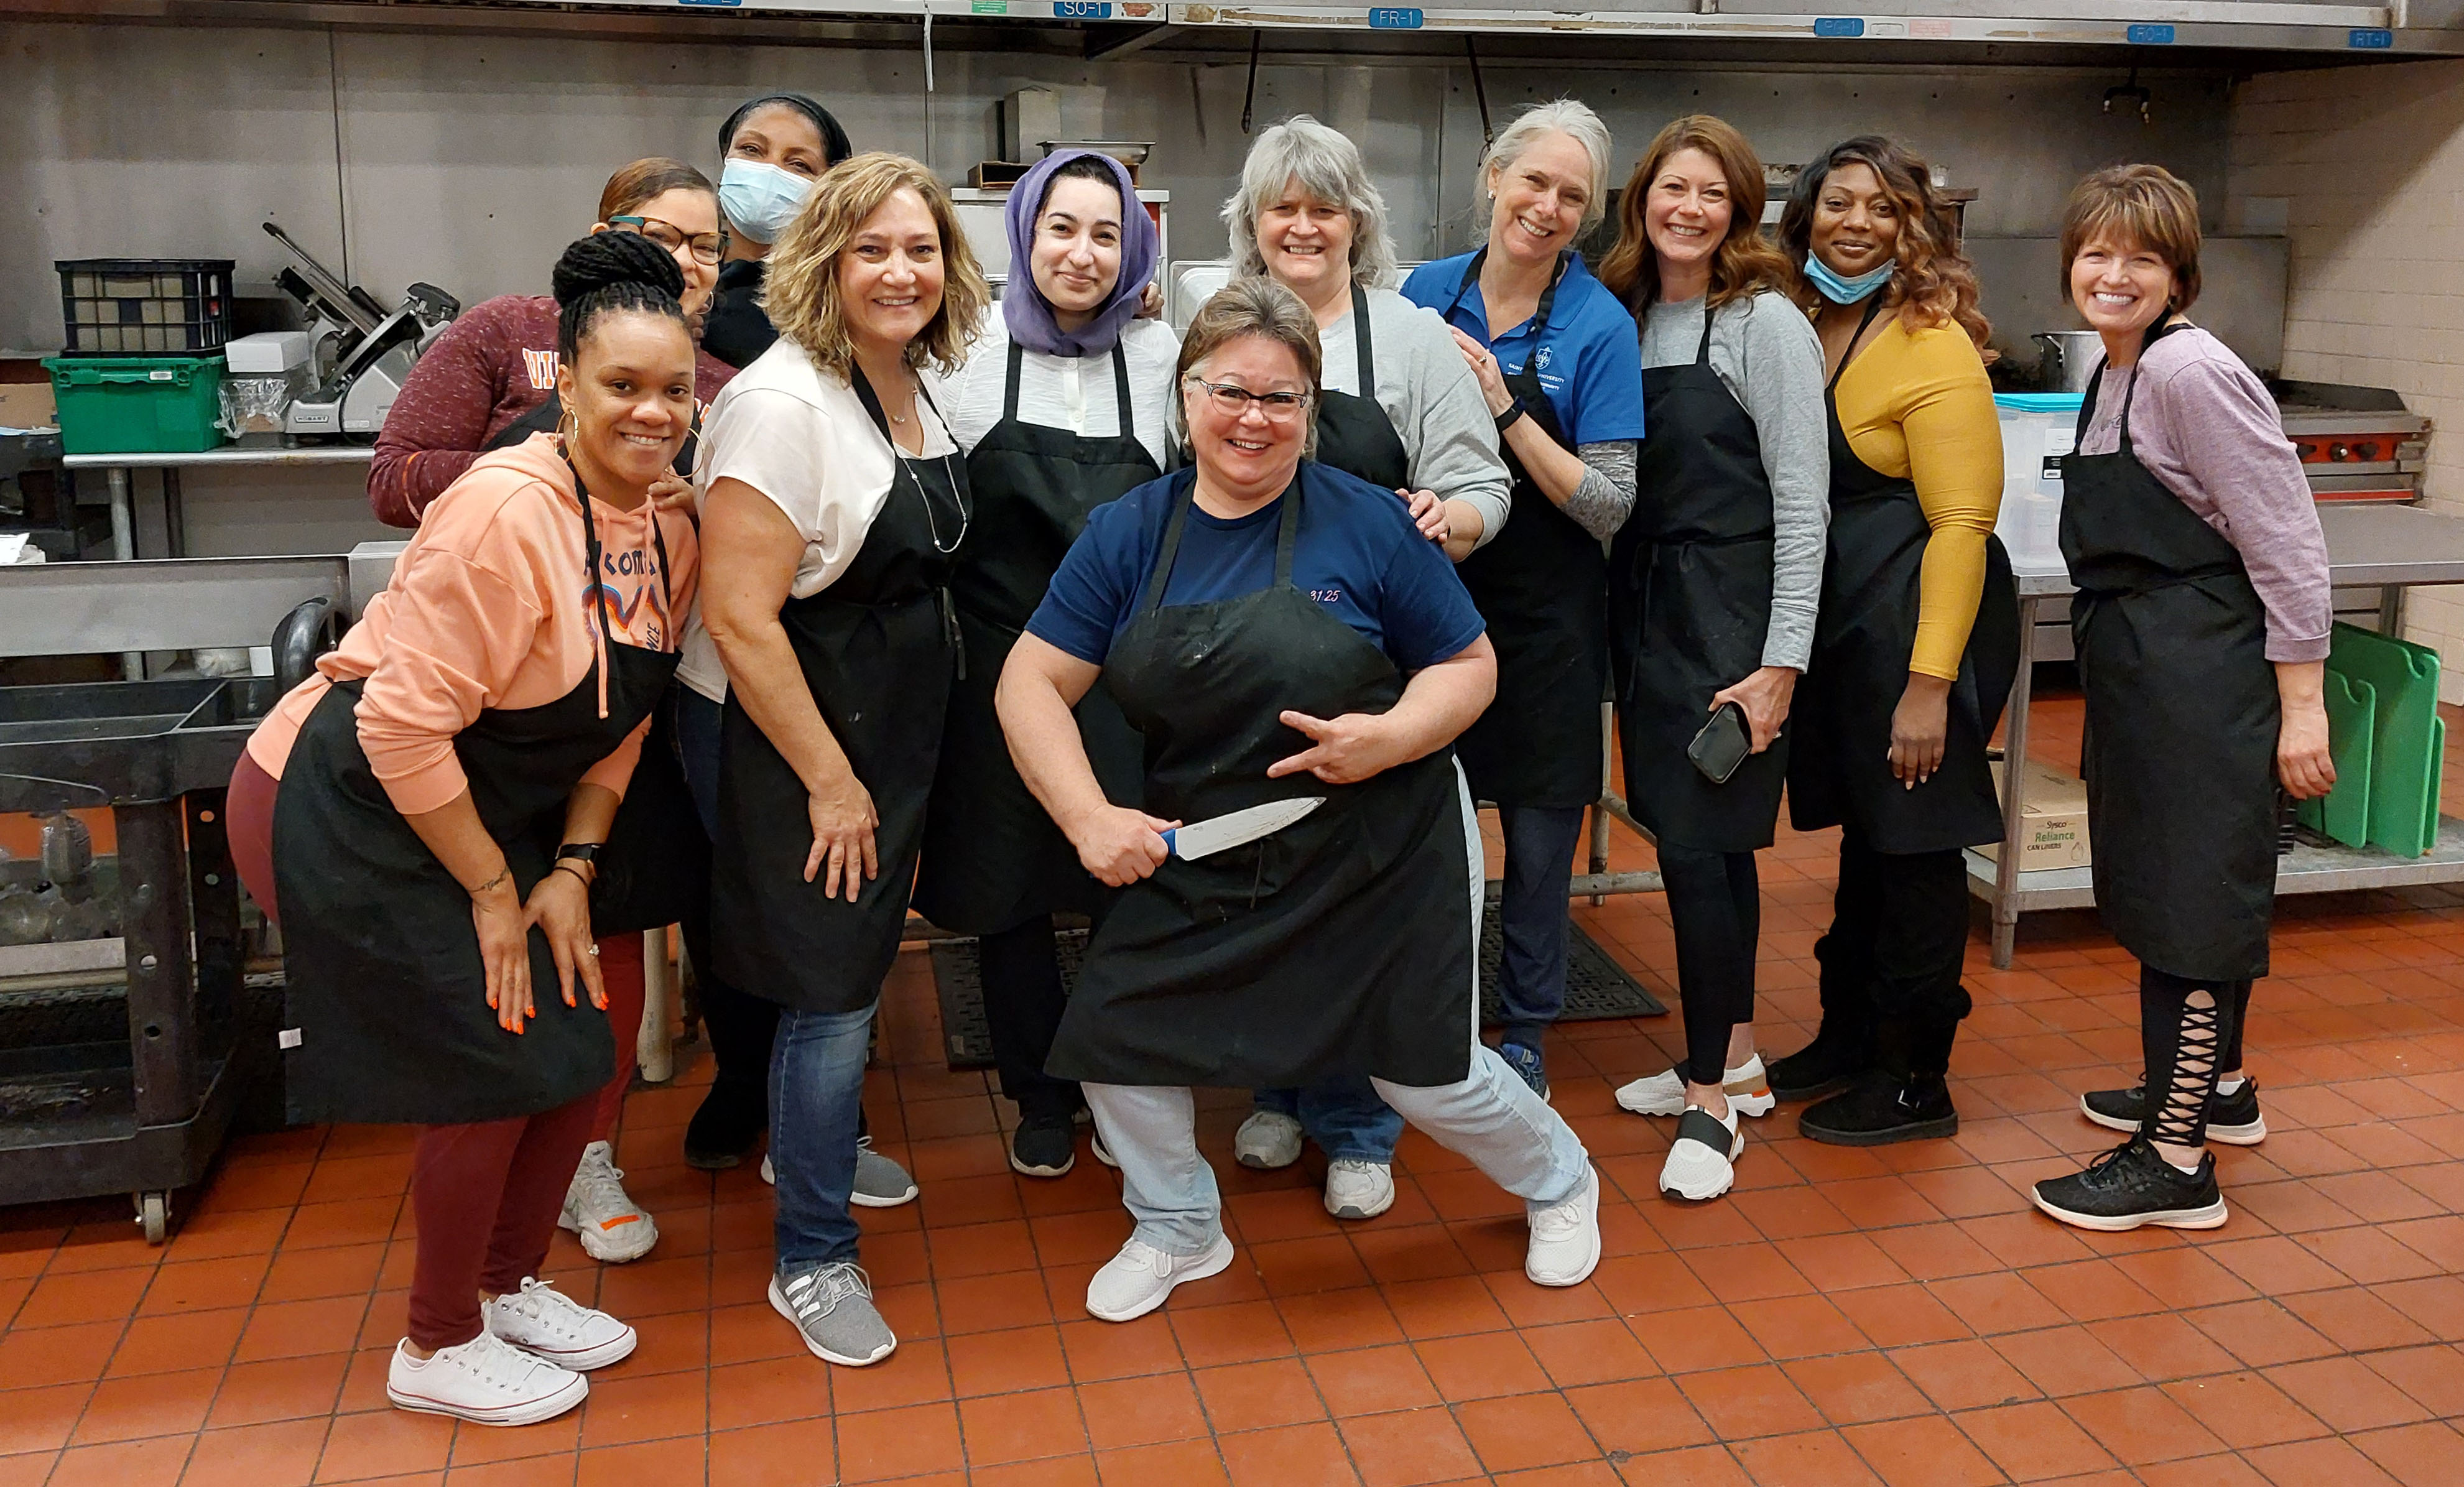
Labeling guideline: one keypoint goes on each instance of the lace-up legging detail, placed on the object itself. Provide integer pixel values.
(2185, 1030)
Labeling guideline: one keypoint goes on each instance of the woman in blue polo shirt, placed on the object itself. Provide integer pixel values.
(1556, 358)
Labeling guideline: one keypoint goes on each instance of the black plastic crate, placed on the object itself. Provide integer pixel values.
(141, 307)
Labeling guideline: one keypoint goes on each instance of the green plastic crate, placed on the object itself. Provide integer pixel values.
(137, 404)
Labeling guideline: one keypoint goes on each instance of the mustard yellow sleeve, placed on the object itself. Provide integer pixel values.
(1954, 442)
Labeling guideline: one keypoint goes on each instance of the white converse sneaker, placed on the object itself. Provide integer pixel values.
(547, 1323)
(1136, 1282)
(1267, 1140)
(1358, 1189)
(1747, 1086)
(610, 1225)
(1566, 1237)
(486, 1381)
(1702, 1163)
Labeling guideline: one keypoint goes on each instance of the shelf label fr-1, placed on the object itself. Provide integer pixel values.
(1387, 17)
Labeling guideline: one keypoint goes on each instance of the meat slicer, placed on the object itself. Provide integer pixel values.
(363, 352)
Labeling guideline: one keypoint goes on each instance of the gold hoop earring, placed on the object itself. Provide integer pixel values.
(568, 428)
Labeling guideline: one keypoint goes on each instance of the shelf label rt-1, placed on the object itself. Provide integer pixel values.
(2369, 38)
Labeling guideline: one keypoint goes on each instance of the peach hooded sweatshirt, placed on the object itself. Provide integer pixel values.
(490, 607)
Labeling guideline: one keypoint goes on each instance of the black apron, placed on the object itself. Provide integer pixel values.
(1341, 945)
(1689, 608)
(2182, 716)
(992, 856)
(386, 983)
(1542, 585)
(737, 330)
(878, 649)
(1839, 767)
(1353, 433)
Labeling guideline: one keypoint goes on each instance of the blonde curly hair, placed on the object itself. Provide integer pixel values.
(800, 292)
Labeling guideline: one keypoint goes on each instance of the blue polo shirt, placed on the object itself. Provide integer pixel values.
(1589, 355)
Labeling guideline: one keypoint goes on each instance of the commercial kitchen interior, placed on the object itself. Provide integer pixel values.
(1895, 1316)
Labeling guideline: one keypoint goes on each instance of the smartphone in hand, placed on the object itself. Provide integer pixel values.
(1723, 744)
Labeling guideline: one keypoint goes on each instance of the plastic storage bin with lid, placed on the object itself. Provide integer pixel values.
(2038, 430)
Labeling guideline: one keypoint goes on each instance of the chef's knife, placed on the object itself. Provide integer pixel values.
(1201, 838)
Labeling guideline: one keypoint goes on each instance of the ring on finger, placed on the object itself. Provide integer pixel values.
(594, 950)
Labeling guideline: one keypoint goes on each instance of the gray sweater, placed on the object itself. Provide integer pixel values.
(1432, 399)
(1764, 350)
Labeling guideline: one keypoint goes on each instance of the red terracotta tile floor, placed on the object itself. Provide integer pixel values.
(1895, 1316)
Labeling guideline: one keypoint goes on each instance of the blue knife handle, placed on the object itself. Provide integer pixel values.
(1170, 838)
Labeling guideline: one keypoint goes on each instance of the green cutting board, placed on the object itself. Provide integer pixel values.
(2343, 813)
(2408, 741)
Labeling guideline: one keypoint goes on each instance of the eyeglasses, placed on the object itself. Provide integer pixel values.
(1280, 408)
(707, 247)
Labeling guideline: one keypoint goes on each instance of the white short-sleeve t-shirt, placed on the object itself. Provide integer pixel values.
(801, 437)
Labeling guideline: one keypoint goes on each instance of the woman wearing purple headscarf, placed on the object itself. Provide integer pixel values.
(1061, 407)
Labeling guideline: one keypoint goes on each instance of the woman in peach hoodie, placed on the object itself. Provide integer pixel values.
(443, 784)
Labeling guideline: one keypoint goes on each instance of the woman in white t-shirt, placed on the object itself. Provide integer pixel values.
(1061, 408)
(833, 503)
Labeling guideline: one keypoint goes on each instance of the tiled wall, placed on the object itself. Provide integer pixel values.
(2363, 171)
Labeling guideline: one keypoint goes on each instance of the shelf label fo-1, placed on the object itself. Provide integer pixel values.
(1843, 27)
(1387, 17)
(2369, 38)
(2149, 34)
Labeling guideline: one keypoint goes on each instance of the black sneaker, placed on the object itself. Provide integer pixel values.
(2232, 1119)
(2131, 1185)
(1044, 1146)
(724, 1131)
(1834, 1061)
(1880, 1110)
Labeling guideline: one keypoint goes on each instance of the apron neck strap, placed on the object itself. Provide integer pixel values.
(1120, 385)
(1363, 347)
(1287, 530)
(1865, 322)
(1702, 348)
(1010, 387)
(1540, 312)
(2129, 389)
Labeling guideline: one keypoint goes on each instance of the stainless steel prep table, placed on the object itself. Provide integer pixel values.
(115, 469)
(2386, 547)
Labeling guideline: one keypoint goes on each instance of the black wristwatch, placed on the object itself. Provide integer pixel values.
(1514, 413)
(580, 851)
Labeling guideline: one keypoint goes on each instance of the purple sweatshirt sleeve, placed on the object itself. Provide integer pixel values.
(2225, 440)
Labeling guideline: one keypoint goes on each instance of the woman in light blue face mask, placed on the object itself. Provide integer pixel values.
(1914, 646)
(773, 150)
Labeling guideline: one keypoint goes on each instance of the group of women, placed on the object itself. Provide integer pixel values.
(1020, 609)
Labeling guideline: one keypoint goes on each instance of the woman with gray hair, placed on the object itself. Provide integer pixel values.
(1556, 358)
(1402, 412)
(1302, 883)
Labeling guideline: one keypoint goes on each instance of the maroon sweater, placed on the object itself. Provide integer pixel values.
(493, 364)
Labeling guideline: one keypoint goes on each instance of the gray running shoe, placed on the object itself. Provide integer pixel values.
(831, 1306)
(879, 1181)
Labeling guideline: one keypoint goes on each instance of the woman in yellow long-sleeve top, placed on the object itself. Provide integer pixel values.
(1915, 644)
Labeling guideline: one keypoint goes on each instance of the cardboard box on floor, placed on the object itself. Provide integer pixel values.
(2053, 819)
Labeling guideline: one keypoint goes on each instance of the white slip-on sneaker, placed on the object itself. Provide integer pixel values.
(610, 1225)
(1747, 1086)
(1136, 1282)
(1266, 1141)
(1357, 1189)
(486, 1381)
(545, 1323)
(1701, 1164)
(1565, 1246)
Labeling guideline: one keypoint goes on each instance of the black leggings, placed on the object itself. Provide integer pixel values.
(1896, 942)
(2190, 1032)
(1716, 907)
(1023, 1000)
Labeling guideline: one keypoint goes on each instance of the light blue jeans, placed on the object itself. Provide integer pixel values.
(1491, 1117)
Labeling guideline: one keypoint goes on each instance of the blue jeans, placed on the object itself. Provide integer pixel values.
(816, 1099)
(1343, 1115)
(1532, 968)
(697, 721)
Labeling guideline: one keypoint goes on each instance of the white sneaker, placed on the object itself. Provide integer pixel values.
(1136, 1282)
(1358, 1189)
(769, 1173)
(1747, 1086)
(1701, 1164)
(1103, 1152)
(610, 1225)
(547, 1323)
(1267, 1140)
(486, 1381)
(1566, 1237)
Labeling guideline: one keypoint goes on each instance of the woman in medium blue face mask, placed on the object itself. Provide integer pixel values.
(774, 148)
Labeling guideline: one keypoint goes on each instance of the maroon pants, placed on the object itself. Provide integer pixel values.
(485, 1194)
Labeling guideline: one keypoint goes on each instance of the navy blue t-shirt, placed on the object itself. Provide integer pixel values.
(1357, 553)
(1588, 357)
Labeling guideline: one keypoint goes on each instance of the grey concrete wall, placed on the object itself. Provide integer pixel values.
(468, 161)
